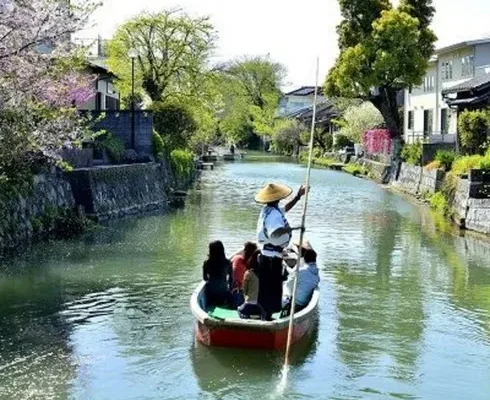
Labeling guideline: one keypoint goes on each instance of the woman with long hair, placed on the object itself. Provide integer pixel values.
(218, 274)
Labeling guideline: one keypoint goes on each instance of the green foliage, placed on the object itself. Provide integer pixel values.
(463, 165)
(473, 128)
(412, 153)
(175, 123)
(439, 203)
(173, 51)
(60, 223)
(358, 119)
(113, 145)
(342, 141)
(158, 145)
(250, 89)
(182, 163)
(384, 48)
(328, 142)
(445, 158)
(356, 169)
(286, 136)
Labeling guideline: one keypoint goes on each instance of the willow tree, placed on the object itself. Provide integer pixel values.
(173, 53)
(383, 50)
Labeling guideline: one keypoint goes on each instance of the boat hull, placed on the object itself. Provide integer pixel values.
(251, 334)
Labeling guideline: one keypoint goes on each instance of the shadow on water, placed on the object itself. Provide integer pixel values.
(225, 372)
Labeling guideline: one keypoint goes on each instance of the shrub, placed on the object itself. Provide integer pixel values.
(115, 148)
(445, 158)
(175, 124)
(412, 153)
(342, 141)
(473, 127)
(356, 169)
(433, 165)
(112, 144)
(158, 145)
(328, 142)
(182, 163)
(439, 203)
(462, 165)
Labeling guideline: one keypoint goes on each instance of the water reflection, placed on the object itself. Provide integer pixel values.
(225, 373)
(404, 309)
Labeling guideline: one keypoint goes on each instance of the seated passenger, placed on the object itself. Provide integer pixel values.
(218, 274)
(239, 263)
(308, 280)
(251, 307)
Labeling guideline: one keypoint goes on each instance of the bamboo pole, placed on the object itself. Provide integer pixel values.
(303, 219)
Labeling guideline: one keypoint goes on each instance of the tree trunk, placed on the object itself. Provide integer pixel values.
(385, 102)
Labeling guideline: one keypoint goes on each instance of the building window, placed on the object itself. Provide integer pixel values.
(429, 84)
(447, 70)
(445, 115)
(410, 120)
(428, 122)
(467, 66)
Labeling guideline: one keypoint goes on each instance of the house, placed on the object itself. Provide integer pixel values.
(107, 97)
(428, 116)
(299, 99)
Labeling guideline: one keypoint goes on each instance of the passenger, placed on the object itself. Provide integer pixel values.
(218, 274)
(274, 235)
(239, 263)
(251, 307)
(308, 280)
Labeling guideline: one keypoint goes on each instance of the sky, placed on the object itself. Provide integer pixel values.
(293, 33)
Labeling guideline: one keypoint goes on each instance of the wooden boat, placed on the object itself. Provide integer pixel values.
(224, 328)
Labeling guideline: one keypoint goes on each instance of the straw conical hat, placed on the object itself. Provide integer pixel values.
(272, 192)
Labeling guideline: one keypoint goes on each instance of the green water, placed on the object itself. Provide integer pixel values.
(404, 310)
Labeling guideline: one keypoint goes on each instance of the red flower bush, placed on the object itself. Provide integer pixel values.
(377, 141)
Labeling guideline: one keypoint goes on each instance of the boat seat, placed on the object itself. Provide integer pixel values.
(226, 313)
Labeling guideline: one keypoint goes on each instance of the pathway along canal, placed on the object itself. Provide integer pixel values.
(404, 311)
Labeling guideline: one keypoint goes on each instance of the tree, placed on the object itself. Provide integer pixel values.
(251, 93)
(358, 119)
(40, 84)
(175, 124)
(474, 128)
(382, 50)
(286, 136)
(173, 52)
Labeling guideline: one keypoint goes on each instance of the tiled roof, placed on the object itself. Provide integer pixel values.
(445, 49)
(304, 91)
(475, 83)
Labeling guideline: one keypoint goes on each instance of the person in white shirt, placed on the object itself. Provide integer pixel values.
(273, 236)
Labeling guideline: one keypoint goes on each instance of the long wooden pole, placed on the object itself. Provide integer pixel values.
(303, 219)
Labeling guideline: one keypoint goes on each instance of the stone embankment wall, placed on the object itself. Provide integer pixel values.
(109, 192)
(418, 181)
(25, 214)
(380, 172)
(471, 202)
(101, 193)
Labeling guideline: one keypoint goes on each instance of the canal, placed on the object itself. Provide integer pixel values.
(404, 310)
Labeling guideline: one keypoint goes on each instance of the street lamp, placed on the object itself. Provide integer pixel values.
(132, 54)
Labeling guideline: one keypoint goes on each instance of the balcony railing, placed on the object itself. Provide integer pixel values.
(434, 137)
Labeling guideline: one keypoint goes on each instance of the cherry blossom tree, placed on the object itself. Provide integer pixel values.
(41, 80)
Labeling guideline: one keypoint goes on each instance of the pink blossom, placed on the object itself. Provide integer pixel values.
(377, 141)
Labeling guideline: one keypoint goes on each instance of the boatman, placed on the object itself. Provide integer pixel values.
(273, 236)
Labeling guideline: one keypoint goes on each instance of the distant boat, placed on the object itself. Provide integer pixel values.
(224, 328)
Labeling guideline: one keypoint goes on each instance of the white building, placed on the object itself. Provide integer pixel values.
(299, 99)
(427, 116)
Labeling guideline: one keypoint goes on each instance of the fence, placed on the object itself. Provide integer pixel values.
(435, 137)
